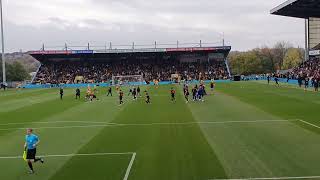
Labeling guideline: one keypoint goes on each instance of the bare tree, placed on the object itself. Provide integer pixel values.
(279, 52)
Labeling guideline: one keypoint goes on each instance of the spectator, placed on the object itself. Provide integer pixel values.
(66, 72)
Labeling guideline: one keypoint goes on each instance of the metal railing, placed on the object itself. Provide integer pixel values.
(111, 46)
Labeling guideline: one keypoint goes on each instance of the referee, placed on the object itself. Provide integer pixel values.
(30, 145)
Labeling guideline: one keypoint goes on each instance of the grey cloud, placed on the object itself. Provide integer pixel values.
(246, 24)
(94, 22)
(191, 6)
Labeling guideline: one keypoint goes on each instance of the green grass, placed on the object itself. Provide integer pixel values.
(246, 129)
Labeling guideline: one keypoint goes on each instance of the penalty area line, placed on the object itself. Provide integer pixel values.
(152, 124)
(126, 176)
(130, 166)
(310, 124)
(55, 122)
(71, 155)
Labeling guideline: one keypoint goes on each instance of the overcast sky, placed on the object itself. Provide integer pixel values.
(245, 23)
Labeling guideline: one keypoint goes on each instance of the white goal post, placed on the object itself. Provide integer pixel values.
(126, 80)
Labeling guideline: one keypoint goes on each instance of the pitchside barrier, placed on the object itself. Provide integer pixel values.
(83, 85)
(283, 80)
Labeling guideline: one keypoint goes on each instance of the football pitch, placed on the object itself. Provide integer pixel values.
(243, 130)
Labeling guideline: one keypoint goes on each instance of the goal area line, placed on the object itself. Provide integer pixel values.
(128, 169)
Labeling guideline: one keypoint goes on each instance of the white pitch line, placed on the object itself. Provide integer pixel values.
(55, 122)
(150, 124)
(60, 127)
(130, 166)
(71, 155)
(91, 154)
(275, 178)
(203, 122)
(309, 123)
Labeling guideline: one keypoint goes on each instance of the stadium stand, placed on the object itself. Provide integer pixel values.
(97, 72)
(162, 64)
(309, 69)
(308, 10)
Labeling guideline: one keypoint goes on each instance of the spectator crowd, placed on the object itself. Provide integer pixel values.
(309, 69)
(99, 72)
(307, 73)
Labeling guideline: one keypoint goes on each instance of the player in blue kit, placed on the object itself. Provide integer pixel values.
(31, 143)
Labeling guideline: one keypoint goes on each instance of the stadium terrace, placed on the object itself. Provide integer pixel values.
(167, 112)
(145, 65)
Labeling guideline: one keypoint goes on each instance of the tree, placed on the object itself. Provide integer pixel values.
(279, 52)
(292, 58)
(246, 63)
(15, 72)
(266, 60)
